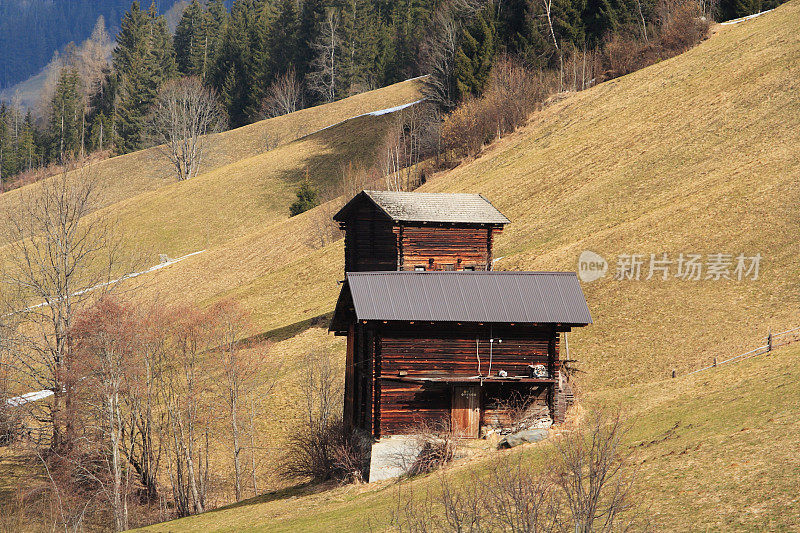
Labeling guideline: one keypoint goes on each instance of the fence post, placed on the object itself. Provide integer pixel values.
(715, 361)
(673, 372)
(769, 340)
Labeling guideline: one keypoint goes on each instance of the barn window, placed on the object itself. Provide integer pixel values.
(419, 268)
(470, 268)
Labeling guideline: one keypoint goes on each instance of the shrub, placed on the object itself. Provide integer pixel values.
(307, 198)
(326, 452)
(434, 444)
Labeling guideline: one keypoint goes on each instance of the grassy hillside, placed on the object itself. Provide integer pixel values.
(131, 175)
(713, 451)
(697, 154)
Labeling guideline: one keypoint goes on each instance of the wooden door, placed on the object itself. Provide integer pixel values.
(465, 413)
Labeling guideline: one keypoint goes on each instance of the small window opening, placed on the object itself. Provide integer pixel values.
(470, 268)
(419, 268)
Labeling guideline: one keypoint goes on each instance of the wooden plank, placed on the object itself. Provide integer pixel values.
(465, 411)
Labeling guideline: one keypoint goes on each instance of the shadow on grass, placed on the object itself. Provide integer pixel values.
(355, 141)
(292, 330)
(302, 489)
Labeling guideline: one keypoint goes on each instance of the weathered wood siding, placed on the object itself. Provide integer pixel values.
(422, 351)
(450, 247)
(457, 353)
(373, 242)
(369, 242)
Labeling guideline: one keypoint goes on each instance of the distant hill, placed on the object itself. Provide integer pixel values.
(32, 30)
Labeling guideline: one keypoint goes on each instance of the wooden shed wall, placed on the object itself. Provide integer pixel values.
(425, 352)
(450, 247)
(369, 242)
(428, 352)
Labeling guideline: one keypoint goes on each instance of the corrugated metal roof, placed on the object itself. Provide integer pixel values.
(520, 297)
(431, 207)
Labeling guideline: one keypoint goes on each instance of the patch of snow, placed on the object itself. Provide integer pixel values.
(377, 113)
(390, 109)
(29, 397)
(748, 17)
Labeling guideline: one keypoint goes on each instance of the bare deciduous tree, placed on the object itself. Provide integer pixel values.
(324, 75)
(584, 486)
(184, 113)
(184, 387)
(106, 339)
(242, 377)
(591, 472)
(438, 51)
(284, 95)
(57, 258)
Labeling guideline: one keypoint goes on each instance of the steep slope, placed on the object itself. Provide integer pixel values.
(697, 154)
(713, 451)
(130, 175)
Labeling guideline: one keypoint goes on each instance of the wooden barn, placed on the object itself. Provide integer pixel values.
(432, 332)
(419, 231)
(427, 346)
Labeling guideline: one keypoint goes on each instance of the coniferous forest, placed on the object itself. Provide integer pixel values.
(268, 57)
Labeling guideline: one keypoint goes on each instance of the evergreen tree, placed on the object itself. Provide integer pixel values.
(190, 40)
(66, 113)
(473, 62)
(162, 53)
(732, 9)
(282, 41)
(28, 154)
(236, 68)
(362, 68)
(143, 59)
(4, 148)
(307, 198)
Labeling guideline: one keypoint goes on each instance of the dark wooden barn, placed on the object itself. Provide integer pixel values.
(432, 332)
(419, 231)
(427, 346)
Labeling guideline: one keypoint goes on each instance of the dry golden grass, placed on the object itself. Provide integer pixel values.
(714, 451)
(695, 154)
(132, 174)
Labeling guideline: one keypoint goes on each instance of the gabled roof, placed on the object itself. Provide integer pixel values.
(429, 207)
(491, 297)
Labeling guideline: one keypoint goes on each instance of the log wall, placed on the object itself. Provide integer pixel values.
(369, 242)
(407, 352)
(440, 247)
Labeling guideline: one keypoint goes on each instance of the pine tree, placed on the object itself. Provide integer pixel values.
(360, 47)
(282, 41)
(66, 108)
(236, 68)
(307, 198)
(162, 53)
(143, 59)
(28, 151)
(473, 62)
(190, 40)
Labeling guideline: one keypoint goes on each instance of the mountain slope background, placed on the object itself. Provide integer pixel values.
(54, 23)
(693, 155)
(697, 154)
